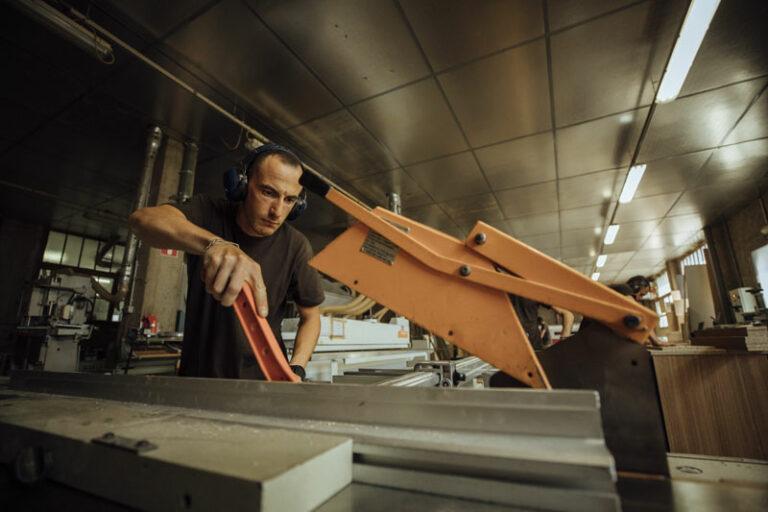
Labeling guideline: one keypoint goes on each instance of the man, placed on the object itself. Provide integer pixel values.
(640, 287)
(230, 243)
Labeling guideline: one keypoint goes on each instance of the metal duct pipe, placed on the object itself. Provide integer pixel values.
(125, 278)
(395, 204)
(187, 172)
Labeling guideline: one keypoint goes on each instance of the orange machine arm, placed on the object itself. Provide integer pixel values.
(458, 290)
(262, 340)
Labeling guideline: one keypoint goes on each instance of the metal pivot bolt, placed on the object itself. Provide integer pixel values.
(480, 238)
(631, 321)
(465, 270)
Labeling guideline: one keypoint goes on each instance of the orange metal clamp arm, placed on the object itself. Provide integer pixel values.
(262, 340)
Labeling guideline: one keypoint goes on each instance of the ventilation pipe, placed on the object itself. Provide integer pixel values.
(127, 269)
(187, 173)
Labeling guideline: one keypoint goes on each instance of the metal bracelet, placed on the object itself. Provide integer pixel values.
(216, 241)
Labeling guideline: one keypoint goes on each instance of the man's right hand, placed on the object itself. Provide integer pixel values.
(226, 268)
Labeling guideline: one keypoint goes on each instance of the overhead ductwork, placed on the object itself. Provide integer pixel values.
(127, 270)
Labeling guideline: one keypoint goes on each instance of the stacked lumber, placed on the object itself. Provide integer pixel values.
(750, 338)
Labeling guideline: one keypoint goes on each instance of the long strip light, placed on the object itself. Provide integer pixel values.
(601, 260)
(68, 28)
(610, 234)
(695, 26)
(596, 276)
(632, 182)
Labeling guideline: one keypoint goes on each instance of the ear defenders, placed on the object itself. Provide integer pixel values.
(236, 179)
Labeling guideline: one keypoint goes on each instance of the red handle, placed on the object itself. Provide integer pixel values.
(268, 354)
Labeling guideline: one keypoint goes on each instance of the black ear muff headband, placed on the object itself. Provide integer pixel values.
(236, 178)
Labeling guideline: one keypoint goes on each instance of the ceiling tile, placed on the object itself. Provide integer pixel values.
(340, 143)
(358, 48)
(734, 48)
(519, 162)
(413, 122)
(709, 201)
(658, 241)
(455, 31)
(737, 162)
(582, 236)
(377, 187)
(606, 143)
(468, 210)
(540, 198)
(697, 122)
(450, 177)
(590, 189)
(608, 65)
(754, 124)
(503, 96)
(534, 224)
(431, 215)
(579, 254)
(680, 224)
(542, 242)
(646, 208)
(158, 17)
(564, 13)
(640, 229)
(586, 217)
(671, 174)
(252, 62)
(617, 261)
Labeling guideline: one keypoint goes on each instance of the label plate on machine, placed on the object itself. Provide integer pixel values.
(379, 247)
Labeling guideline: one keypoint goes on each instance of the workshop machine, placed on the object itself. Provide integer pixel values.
(584, 412)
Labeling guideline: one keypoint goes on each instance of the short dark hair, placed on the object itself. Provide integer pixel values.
(285, 155)
(637, 283)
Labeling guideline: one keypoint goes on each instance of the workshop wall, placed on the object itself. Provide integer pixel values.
(23, 246)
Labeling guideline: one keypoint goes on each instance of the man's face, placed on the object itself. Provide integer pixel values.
(642, 292)
(273, 190)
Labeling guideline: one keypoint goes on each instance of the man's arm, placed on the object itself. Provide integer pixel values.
(306, 335)
(567, 321)
(225, 267)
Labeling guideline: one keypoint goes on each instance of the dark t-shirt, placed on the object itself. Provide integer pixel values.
(528, 312)
(214, 343)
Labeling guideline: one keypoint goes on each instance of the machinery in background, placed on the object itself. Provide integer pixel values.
(745, 303)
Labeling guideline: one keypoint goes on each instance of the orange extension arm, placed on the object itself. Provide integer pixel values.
(458, 290)
(262, 339)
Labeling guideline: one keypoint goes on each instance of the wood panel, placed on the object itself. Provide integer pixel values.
(715, 404)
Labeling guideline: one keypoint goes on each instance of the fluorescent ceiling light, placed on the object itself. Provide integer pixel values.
(601, 260)
(633, 181)
(596, 276)
(610, 234)
(697, 20)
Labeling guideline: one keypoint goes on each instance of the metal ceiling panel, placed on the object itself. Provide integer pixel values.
(709, 201)
(432, 215)
(534, 224)
(564, 13)
(754, 124)
(539, 198)
(231, 44)
(378, 186)
(339, 143)
(734, 49)
(626, 245)
(413, 122)
(519, 162)
(609, 65)
(501, 97)
(590, 189)
(358, 48)
(577, 255)
(542, 242)
(671, 174)
(606, 143)
(468, 210)
(450, 177)
(680, 224)
(586, 217)
(639, 229)
(646, 208)
(648, 256)
(738, 162)
(158, 17)
(697, 122)
(616, 261)
(583, 236)
(455, 31)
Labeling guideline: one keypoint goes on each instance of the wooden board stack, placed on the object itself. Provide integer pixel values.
(742, 337)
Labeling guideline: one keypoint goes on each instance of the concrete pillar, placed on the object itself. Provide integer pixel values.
(161, 278)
